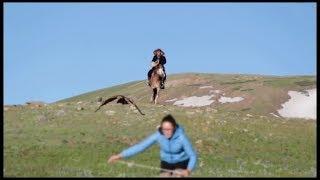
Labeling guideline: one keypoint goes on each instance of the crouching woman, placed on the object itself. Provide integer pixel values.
(176, 152)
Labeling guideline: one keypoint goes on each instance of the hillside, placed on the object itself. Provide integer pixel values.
(261, 94)
(234, 134)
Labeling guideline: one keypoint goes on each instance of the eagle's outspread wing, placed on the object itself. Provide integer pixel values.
(107, 101)
(121, 99)
(131, 101)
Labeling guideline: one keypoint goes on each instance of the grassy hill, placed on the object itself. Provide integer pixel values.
(232, 140)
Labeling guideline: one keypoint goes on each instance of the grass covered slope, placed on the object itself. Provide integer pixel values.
(262, 94)
(231, 140)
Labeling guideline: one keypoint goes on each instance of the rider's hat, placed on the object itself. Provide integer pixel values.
(155, 51)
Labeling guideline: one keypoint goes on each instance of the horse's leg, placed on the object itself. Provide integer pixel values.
(151, 97)
(156, 96)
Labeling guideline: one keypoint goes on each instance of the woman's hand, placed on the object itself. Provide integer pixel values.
(182, 172)
(185, 173)
(114, 158)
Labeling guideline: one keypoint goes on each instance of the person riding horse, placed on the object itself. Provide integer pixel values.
(158, 56)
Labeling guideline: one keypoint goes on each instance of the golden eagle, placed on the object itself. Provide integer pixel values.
(120, 99)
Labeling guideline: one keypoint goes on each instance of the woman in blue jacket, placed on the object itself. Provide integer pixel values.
(176, 151)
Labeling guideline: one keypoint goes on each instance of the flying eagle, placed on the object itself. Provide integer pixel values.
(120, 99)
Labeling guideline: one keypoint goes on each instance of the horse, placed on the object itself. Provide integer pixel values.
(155, 80)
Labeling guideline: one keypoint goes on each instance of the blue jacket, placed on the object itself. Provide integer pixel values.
(176, 149)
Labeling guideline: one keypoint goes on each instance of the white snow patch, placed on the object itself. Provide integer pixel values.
(195, 101)
(204, 87)
(300, 105)
(215, 91)
(170, 100)
(230, 99)
(249, 115)
(274, 115)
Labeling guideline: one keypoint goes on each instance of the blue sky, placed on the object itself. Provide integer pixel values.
(54, 51)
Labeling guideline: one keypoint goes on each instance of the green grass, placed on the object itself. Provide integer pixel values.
(305, 83)
(290, 82)
(238, 82)
(236, 88)
(247, 89)
(105, 92)
(78, 143)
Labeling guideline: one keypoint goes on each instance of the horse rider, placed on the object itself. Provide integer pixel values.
(158, 56)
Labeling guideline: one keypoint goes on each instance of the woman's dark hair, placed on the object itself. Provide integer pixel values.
(168, 118)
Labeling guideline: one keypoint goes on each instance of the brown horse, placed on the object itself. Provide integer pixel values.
(155, 80)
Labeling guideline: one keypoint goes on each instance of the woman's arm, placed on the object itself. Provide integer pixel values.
(191, 153)
(141, 146)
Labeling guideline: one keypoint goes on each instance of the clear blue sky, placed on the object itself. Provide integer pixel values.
(54, 51)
